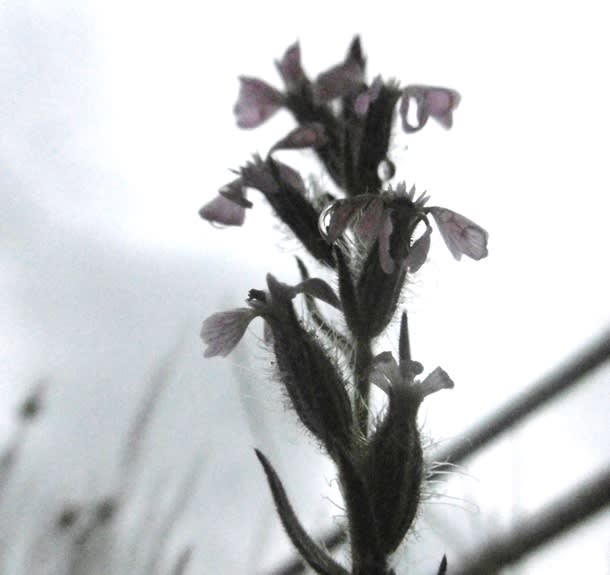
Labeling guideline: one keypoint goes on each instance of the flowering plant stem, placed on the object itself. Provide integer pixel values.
(362, 362)
(371, 239)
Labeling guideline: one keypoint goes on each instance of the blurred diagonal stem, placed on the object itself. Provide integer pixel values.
(561, 515)
(550, 386)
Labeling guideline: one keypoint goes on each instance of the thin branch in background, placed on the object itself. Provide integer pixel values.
(27, 411)
(8, 458)
(146, 519)
(99, 516)
(161, 538)
(585, 500)
(135, 437)
(182, 562)
(528, 401)
(549, 387)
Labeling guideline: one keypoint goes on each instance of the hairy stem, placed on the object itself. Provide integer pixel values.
(362, 362)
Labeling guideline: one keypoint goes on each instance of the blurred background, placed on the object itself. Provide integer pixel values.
(122, 450)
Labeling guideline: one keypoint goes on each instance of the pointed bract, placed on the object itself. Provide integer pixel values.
(290, 69)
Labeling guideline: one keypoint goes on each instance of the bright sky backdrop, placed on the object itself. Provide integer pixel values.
(117, 126)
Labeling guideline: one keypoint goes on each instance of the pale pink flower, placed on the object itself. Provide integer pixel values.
(370, 216)
(222, 331)
(228, 208)
(431, 101)
(223, 211)
(462, 236)
(257, 101)
(386, 373)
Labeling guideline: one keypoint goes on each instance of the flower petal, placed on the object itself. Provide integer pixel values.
(406, 101)
(341, 80)
(366, 98)
(431, 101)
(385, 259)
(235, 191)
(309, 135)
(289, 67)
(336, 217)
(290, 176)
(222, 331)
(461, 235)
(223, 211)
(370, 220)
(384, 371)
(436, 380)
(256, 174)
(419, 251)
(257, 101)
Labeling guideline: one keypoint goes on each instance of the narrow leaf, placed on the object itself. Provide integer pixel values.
(314, 555)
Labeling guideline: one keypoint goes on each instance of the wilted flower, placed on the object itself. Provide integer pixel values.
(431, 101)
(228, 208)
(373, 217)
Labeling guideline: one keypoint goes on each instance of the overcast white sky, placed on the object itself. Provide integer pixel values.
(117, 126)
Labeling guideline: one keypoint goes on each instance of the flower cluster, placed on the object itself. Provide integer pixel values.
(371, 239)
